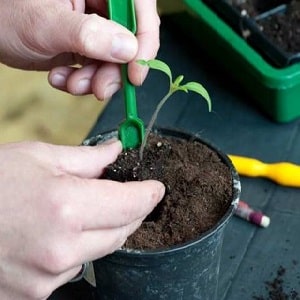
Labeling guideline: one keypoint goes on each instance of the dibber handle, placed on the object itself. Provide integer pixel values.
(283, 173)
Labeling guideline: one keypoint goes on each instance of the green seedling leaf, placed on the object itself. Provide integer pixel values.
(181, 88)
(178, 80)
(173, 88)
(199, 89)
(157, 64)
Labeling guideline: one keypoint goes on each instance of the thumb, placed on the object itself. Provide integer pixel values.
(92, 36)
(84, 161)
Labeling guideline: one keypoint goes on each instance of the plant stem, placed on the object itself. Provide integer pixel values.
(152, 120)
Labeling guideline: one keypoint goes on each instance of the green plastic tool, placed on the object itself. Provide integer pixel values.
(131, 131)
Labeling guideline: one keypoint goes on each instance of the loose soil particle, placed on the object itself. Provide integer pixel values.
(275, 288)
(198, 190)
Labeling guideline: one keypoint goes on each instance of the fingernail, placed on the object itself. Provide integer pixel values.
(110, 141)
(124, 47)
(83, 86)
(143, 74)
(58, 80)
(161, 191)
(114, 142)
(111, 89)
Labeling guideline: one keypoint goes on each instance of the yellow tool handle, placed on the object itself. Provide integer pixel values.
(283, 173)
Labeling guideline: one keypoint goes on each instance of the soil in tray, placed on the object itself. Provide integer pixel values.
(282, 28)
(256, 7)
(198, 190)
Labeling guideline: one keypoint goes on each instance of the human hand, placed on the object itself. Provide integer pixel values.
(56, 34)
(55, 214)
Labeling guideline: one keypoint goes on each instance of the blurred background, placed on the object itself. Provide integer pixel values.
(30, 109)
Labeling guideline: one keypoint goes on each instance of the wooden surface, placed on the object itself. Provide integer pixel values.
(251, 255)
(30, 109)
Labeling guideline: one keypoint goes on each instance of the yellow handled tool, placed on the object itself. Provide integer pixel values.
(283, 173)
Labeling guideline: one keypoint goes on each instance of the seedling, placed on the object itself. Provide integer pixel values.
(175, 86)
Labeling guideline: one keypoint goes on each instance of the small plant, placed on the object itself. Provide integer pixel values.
(174, 87)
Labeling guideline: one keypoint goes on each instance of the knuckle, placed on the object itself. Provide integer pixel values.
(157, 17)
(58, 256)
(38, 290)
(33, 149)
(62, 211)
(57, 259)
(129, 209)
(86, 34)
(30, 146)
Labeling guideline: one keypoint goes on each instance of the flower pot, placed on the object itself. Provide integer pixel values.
(274, 90)
(185, 271)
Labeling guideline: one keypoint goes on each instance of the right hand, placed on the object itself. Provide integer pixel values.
(55, 214)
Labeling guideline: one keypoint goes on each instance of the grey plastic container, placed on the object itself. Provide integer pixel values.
(183, 272)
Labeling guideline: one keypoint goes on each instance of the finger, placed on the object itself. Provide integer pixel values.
(90, 35)
(61, 72)
(91, 245)
(48, 282)
(102, 81)
(110, 203)
(79, 82)
(101, 218)
(52, 281)
(148, 38)
(68, 275)
(86, 161)
(81, 161)
(98, 243)
(106, 81)
(45, 282)
(58, 77)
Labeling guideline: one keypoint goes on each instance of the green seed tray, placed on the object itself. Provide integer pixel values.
(275, 90)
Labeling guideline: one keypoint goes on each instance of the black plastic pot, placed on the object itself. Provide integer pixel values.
(248, 26)
(188, 271)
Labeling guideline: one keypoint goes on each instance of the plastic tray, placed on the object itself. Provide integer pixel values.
(248, 28)
(276, 91)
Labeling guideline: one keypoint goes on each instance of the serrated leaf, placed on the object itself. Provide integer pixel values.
(199, 89)
(157, 64)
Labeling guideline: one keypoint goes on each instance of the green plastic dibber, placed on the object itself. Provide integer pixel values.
(132, 130)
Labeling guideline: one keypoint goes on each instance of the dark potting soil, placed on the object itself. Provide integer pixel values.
(275, 288)
(256, 7)
(198, 190)
(283, 29)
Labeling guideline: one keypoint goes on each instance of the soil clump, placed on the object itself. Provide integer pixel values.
(198, 189)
